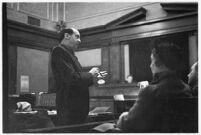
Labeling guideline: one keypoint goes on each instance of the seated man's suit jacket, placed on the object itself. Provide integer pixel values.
(146, 113)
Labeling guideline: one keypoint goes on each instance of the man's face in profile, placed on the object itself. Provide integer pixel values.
(153, 66)
(75, 39)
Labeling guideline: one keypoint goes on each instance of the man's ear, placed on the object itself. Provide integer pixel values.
(67, 36)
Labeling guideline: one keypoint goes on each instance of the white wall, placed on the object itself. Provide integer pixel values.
(78, 15)
(85, 15)
(34, 64)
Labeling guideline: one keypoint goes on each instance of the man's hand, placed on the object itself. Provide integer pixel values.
(119, 122)
(94, 71)
(102, 74)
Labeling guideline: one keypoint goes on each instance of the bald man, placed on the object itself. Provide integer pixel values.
(72, 93)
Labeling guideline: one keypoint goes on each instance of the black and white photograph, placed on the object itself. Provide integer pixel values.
(100, 67)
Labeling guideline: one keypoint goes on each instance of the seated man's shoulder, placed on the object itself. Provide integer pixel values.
(150, 89)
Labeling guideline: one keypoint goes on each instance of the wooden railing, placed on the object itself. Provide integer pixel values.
(76, 128)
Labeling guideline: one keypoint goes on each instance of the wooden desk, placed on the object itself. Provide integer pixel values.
(76, 128)
(90, 118)
(122, 106)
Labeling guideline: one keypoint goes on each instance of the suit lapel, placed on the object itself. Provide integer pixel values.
(74, 59)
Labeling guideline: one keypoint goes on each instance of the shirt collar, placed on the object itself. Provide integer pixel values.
(68, 48)
(159, 76)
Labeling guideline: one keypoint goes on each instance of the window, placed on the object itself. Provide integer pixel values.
(140, 50)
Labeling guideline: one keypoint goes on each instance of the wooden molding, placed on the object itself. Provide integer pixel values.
(24, 35)
(134, 15)
(180, 7)
(31, 29)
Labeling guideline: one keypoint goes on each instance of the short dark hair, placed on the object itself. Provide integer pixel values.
(167, 53)
(62, 33)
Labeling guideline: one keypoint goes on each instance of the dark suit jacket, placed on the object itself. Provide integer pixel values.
(146, 114)
(72, 94)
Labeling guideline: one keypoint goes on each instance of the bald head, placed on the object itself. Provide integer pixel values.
(70, 37)
(70, 31)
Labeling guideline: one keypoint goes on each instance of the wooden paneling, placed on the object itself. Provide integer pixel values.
(95, 40)
(115, 63)
(155, 29)
(32, 38)
(22, 35)
(102, 102)
(105, 62)
(12, 71)
(101, 36)
(113, 89)
(144, 29)
(103, 95)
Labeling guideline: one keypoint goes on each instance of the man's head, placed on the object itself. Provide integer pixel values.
(165, 56)
(193, 75)
(70, 37)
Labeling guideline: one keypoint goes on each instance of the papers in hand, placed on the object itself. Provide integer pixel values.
(102, 74)
(99, 110)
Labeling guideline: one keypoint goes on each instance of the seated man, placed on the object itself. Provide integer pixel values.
(193, 79)
(145, 114)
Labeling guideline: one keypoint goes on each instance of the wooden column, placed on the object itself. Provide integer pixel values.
(115, 61)
(193, 48)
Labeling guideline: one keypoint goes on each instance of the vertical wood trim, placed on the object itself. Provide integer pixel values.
(48, 12)
(105, 62)
(115, 68)
(122, 62)
(12, 5)
(57, 11)
(18, 6)
(126, 61)
(52, 11)
(64, 9)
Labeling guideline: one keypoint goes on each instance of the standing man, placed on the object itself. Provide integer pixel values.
(72, 93)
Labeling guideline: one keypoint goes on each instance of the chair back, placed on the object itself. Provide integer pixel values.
(47, 100)
(180, 115)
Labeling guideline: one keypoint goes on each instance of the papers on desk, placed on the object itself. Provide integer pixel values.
(99, 110)
(29, 112)
(53, 112)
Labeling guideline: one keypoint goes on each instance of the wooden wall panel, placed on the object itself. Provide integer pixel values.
(35, 39)
(155, 29)
(12, 70)
(105, 62)
(113, 89)
(114, 63)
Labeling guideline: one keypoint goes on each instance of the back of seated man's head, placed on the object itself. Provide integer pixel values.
(167, 54)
